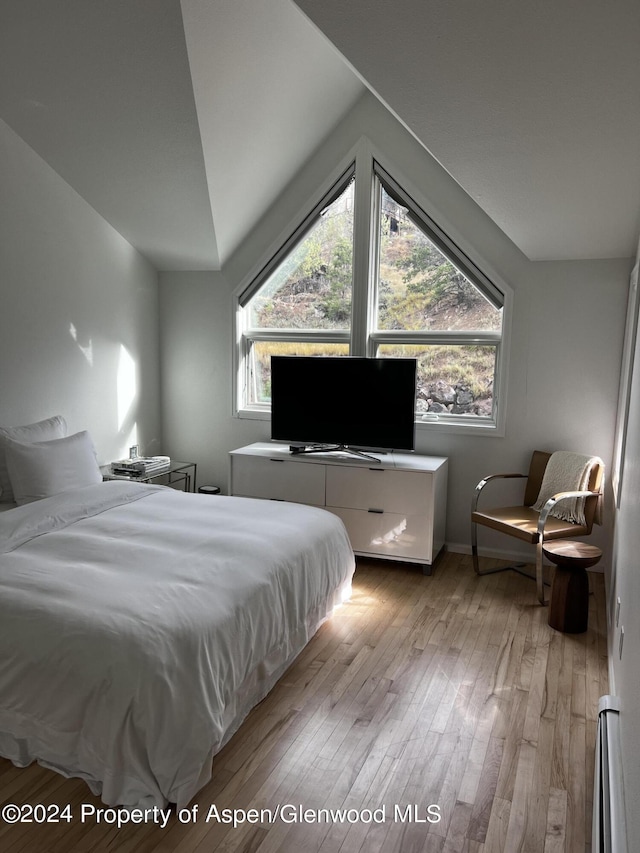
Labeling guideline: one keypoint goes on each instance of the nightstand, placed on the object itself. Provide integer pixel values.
(183, 473)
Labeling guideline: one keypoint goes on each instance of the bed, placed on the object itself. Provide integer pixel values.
(139, 625)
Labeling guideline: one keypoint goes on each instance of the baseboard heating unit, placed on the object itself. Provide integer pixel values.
(609, 828)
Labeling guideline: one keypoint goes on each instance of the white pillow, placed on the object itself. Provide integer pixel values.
(47, 468)
(51, 428)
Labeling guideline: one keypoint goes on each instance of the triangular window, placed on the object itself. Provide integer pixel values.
(433, 304)
(405, 290)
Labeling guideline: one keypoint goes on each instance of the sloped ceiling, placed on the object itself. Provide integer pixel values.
(534, 108)
(268, 88)
(103, 91)
(181, 122)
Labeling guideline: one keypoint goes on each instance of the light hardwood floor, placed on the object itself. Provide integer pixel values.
(448, 691)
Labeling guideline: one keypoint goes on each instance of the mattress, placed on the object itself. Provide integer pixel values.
(140, 624)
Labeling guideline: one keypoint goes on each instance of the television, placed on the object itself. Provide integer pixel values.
(343, 402)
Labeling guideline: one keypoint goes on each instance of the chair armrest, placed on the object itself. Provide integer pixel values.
(549, 505)
(485, 480)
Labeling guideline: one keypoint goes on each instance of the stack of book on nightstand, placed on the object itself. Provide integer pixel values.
(141, 466)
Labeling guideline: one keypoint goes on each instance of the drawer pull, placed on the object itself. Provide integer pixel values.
(276, 460)
(379, 511)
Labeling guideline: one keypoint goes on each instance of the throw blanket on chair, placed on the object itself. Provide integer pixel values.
(567, 472)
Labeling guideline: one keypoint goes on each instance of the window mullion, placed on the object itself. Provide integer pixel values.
(361, 304)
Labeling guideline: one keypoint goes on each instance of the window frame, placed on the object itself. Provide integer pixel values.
(363, 338)
(381, 179)
(247, 334)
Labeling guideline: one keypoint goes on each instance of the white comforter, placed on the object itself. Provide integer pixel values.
(139, 625)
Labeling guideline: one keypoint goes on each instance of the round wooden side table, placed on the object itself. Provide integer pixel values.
(569, 603)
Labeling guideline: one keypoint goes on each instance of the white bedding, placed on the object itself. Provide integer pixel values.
(139, 625)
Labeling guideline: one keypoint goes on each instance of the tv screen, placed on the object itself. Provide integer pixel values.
(352, 402)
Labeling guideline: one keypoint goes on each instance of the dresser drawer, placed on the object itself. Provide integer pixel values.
(379, 488)
(395, 510)
(390, 535)
(277, 479)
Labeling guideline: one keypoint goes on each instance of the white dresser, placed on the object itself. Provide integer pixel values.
(395, 509)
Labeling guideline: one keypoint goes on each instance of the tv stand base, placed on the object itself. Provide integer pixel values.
(295, 449)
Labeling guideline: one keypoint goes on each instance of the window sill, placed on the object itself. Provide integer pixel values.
(458, 426)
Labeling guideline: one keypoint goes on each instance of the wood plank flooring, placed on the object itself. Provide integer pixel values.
(440, 714)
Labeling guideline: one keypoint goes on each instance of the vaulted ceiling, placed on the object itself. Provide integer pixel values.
(534, 108)
(181, 123)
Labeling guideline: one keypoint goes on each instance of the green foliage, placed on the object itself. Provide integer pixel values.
(428, 273)
(312, 288)
(312, 260)
(424, 256)
(336, 305)
(420, 289)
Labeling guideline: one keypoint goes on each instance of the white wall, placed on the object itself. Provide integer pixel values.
(196, 374)
(79, 312)
(563, 387)
(568, 321)
(625, 585)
